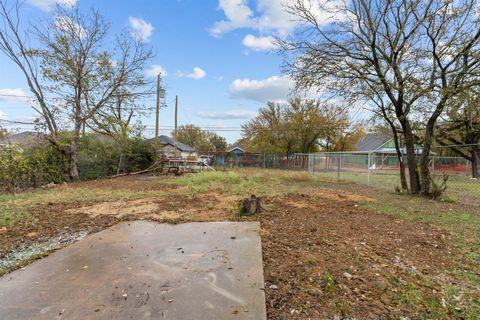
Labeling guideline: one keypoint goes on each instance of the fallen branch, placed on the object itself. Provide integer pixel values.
(153, 167)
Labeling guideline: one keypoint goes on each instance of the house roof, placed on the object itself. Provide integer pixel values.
(236, 148)
(373, 141)
(166, 140)
(23, 138)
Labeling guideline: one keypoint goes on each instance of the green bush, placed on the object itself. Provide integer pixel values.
(39, 163)
(22, 167)
(13, 168)
(46, 164)
(449, 198)
(100, 157)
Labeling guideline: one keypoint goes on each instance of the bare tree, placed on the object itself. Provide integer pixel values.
(75, 72)
(408, 56)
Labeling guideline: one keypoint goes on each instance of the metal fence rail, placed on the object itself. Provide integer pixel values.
(374, 169)
(383, 171)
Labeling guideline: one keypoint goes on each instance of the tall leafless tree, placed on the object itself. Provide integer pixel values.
(411, 55)
(73, 71)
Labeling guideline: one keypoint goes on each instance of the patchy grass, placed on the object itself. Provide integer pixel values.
(11, 215)
(460, 294)
(14, 208)
(318, 212)
(250, 181)
(462, 222)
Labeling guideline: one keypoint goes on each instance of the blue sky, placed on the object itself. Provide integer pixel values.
(215, 55)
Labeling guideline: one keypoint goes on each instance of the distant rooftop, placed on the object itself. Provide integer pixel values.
(373, 141)
(236, 148)
(166, 140)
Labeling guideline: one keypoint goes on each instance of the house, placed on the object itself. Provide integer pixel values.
(377, 150)
(236, 150)
(380, 147)
(172, 148)
(375, 142)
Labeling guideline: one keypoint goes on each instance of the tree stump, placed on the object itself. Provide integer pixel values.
(249, 206)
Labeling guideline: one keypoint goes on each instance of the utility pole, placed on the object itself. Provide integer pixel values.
(159, 88)
(176, 121)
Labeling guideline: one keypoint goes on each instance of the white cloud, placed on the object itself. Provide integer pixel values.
(13, 95)
(269, 16)
(259, 43)
(155, 70)
(197, 74)
(3, 115)
(49, 5)
(271, 89)
(66, 24)
(142, 30)
(238, 15)
(233, 114)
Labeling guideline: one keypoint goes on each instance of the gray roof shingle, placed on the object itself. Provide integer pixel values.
(372, 141)
(166, 140)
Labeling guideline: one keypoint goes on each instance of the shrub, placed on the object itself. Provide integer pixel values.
(13, 168)
(45, 165)
(450, 198)
(99, 156)
(34, 165)
(438, 187)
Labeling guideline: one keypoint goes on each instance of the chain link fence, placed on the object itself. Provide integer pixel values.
(223, 160)
(383, 170)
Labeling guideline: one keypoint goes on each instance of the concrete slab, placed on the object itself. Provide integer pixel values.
(145, 270)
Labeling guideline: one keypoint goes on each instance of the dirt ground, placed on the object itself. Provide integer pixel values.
(324, 255)
(324, 258)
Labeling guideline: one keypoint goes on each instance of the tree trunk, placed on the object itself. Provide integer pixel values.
(475, 152)
(403, 177)
(72, 166)
(121, 164)
(425, 157)
(411, 157)
(73, 170)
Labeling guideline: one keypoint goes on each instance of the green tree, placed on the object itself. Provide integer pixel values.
(202, 141)
(267, 132)
(301, 125)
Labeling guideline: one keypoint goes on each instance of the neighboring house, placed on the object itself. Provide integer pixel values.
(231, 157)
(377, 149)
(382, 144)
(236, 150)
(172, 148)
(374, 142)
(237, 157)
(26, 138)
(380, 147)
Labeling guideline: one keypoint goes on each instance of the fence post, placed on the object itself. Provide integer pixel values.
(339, 165)
(264, 162)
(369, 163)
(313, 164)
